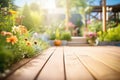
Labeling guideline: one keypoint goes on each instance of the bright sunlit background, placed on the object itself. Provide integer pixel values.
(48, 4)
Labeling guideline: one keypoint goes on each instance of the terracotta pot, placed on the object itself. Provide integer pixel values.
(57, 42)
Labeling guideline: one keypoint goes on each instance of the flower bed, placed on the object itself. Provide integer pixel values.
(17, 45)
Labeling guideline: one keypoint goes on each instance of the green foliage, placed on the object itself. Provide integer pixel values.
(65, 35)
(6, 58)
(55, 30)
(27, 20)
(52, 36)
(6, 18)
(33, 17)
(25, 47)
(5, 3)
(18, 43)
(57, 33)
(112, 34)
(38, 21)
(95, 26)
(112, 24)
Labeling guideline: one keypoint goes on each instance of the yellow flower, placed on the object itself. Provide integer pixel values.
(35, 42)
(12, 39)
(26, 39)
(12, 12)
(28, 43)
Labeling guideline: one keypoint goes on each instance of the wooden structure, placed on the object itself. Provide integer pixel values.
(104, 14)
(103, 10)
(71, 63)
(115, 9)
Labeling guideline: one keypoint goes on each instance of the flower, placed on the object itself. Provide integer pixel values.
(26, 39)
(71, 24)
(35, 42)
(12, 39)
(8, 34)
(12, 12)
(4, 33)
(22, 29)
(28, 43)
(91, 35)
(15, 29)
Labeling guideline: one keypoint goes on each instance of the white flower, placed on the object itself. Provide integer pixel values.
(15, 29)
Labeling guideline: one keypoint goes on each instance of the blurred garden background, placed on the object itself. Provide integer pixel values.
(27, 27)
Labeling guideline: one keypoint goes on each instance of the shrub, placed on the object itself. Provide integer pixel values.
(112, 34)
(95, 26)
(6, 58)
(65, 36)
(52, 36)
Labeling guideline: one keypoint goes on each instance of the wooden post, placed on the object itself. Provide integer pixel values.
(67, 15)
(104, 14)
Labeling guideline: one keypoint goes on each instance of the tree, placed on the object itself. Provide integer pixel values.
(81, 6)
(38, 17)
(35, 7)
(5, 3)
(27, 20)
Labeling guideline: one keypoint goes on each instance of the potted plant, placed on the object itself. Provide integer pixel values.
(91, 38)
(65, 36)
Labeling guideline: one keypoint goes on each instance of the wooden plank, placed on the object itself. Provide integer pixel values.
(74, 69)
(54, 69)
(107, 57)
(98, 69)
(30, 70)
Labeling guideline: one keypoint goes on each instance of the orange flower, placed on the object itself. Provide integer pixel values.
(3, 33)
(28, 43)
(23, 29)
(12, 39)
(8, 33)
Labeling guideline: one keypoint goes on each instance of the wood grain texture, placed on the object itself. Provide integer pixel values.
(74, 69)
(72, 63)
(30, 70)
(54, 69)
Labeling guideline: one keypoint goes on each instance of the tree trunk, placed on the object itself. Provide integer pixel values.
(67, 14)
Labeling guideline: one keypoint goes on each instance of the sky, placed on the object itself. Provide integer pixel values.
(44, 3)
(51, 3)
(108, 2)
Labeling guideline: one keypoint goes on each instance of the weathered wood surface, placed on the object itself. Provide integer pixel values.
(72, 63)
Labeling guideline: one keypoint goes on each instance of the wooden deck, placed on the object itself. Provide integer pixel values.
(72, 63)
